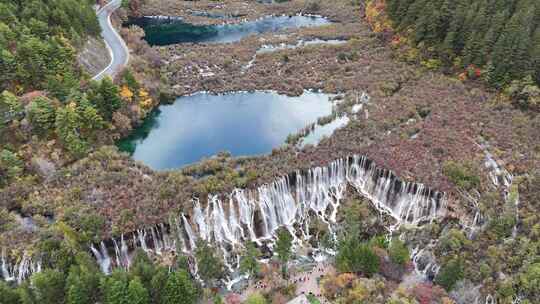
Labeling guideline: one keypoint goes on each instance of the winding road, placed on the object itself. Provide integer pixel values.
(117, 47)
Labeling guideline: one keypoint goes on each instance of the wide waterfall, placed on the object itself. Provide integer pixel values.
(291, 201)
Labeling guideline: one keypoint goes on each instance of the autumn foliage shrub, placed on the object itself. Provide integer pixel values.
(427, 293)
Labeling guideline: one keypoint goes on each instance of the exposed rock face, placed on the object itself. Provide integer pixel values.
(94, 56)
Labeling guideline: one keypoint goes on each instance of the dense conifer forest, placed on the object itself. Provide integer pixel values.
(497, 40)
(38, 41)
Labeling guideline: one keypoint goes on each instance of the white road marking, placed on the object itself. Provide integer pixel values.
(111, 52)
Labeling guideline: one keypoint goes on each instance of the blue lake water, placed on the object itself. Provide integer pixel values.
(163, 31)
(201, 125)
(321, 131)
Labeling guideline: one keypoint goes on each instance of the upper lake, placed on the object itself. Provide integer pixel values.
(164, 31)
(202, 125)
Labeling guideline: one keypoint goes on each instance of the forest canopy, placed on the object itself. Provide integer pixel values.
(500, 36)
(38, 40)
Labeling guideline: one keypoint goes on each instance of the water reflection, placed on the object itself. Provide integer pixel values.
(321, 131)
(163, 31)
(202, 125)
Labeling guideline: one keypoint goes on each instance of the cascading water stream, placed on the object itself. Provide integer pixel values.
(503, 180)
(189, 232)
(424, 262)
(290, 201)
(102, 257)
(19, 271)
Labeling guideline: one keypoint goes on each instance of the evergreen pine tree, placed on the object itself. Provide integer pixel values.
(26, 295)
(283, 248)
(48, 287)
(137, 293)
(42, 115)
(454, 40)
(209, 264)
(423, 23)
(496, 25)
(442, 24)
(115, 288)
(402, 13)
(117, 292)
(249, 263)
(67, 128)
(510, 54)
(77, 293)
(8, 66)
(11, 108)
(472, 51)
(415, 11)
(392, 9)
(8, 295)
(474, 44)
(180, 289)
(83, 281)
(535, 55)
(105, 97)
(354, 256)
(142, 267)
(158, 283)
(398, 252)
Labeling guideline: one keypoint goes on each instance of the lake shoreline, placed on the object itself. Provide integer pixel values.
(208, 125)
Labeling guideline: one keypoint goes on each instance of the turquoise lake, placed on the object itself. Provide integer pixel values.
(202, 125)
(164, 31)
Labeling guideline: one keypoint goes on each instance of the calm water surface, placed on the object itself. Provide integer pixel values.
(202, 125)
(321, 131)
(161, 31)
